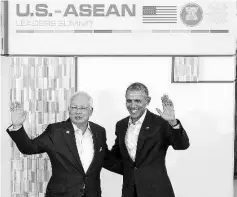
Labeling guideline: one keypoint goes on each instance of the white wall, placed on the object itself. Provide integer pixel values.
(205, 110)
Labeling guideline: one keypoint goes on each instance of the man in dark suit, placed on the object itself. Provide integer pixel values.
(76, 147)
(142, 140)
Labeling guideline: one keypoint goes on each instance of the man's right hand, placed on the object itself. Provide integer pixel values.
(18, 115)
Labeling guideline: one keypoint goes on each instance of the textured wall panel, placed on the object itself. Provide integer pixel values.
(43, 85)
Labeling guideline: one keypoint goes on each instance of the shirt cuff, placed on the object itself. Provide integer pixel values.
(14, 129)
(177, 126)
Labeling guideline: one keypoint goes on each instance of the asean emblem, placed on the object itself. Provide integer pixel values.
(191, 14)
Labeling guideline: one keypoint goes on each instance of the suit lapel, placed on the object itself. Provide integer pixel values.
(144, 131)
(95, 137)
(69, 135)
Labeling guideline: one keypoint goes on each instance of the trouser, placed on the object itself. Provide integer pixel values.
(134, 191)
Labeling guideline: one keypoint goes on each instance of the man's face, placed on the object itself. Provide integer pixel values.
(79, 110)
(136, 102)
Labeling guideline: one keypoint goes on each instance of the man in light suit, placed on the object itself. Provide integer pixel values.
(142, 140)
(76, 147)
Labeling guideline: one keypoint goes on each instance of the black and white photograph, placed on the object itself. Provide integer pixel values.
(118, 99)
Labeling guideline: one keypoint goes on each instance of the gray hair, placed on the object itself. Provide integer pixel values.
(138, 87)
(90, 100)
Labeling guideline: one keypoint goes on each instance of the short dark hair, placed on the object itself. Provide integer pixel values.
(138, 87)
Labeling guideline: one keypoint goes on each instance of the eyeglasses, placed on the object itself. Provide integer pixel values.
(81, 108)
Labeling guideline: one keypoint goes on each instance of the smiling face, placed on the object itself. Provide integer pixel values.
(136, 103)
(80, 110)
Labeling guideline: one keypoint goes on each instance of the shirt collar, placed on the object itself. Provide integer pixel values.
(87, 129)
(140, 120)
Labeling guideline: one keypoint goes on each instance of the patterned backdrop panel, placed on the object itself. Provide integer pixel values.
(43, 86)
(186, 69)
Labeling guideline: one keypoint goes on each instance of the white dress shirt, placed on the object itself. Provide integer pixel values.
(132, 134)
(85, 146)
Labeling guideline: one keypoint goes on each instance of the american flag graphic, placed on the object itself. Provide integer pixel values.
(159, 14)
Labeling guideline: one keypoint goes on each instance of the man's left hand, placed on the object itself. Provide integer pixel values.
(168, 113)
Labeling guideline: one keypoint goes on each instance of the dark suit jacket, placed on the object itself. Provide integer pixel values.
(68, 176)
(148, 172)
